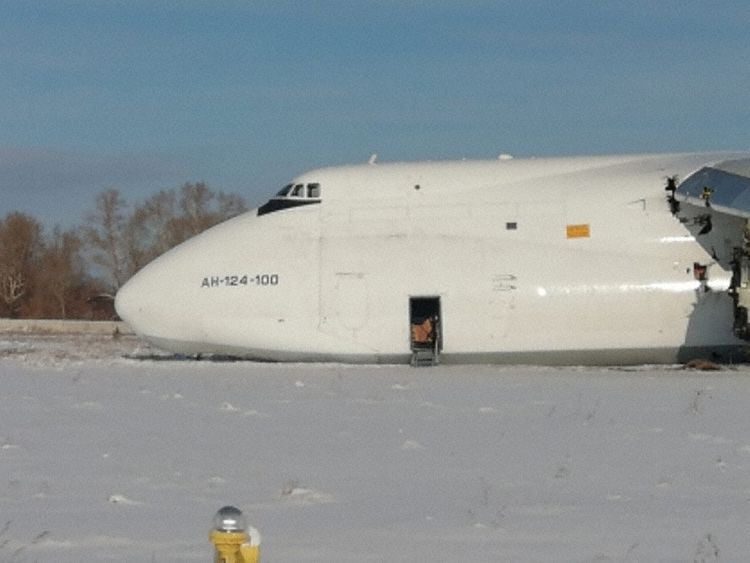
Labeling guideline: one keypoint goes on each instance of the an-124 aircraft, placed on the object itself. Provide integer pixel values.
(580, 260)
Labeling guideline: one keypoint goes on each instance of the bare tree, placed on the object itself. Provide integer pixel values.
(105, 235)
(123, 241)
(202, 208)
(20, 245)
(51, 276)
(63, 273)
(168, 218)
(149, 232)
(229, 205)
(195, 203)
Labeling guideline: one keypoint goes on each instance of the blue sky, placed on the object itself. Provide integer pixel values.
(145, 95)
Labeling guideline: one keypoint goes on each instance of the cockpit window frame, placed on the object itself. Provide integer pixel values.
(283, 192)
(293, 195)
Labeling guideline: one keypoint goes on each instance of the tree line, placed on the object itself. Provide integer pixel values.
(65, 273)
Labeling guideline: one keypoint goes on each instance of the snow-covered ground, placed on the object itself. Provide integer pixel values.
(111, 452)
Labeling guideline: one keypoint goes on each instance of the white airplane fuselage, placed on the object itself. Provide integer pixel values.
(547, 261)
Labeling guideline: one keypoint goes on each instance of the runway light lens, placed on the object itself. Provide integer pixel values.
(230, 519)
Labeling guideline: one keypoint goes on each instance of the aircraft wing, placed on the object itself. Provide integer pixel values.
(724, 187)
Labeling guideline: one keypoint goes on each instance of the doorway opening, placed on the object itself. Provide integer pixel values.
(425, 330)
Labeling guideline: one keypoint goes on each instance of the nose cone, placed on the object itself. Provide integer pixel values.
(129, 303)
(167, 303)
(147, 300)
(155, 302)
(150, 304)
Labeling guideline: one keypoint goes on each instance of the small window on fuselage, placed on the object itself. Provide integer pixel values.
(313, 190)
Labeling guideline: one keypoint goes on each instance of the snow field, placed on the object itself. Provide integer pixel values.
(110, 452)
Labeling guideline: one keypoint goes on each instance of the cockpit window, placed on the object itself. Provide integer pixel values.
(284, 191)
(311, 190)
(292, 195)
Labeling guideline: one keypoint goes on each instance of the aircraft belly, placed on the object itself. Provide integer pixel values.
(594, 356)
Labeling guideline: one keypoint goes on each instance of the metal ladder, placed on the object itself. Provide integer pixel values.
(425, 356)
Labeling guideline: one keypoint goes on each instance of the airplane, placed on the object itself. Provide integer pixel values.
(596, 260)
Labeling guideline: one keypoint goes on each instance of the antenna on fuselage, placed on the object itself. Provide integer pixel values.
(373, 159)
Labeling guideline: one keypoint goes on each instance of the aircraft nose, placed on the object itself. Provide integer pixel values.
(129, 303)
